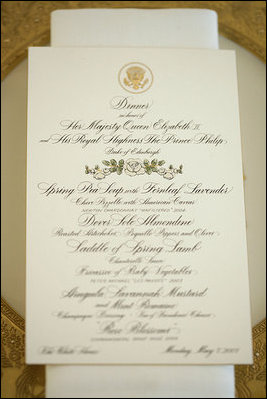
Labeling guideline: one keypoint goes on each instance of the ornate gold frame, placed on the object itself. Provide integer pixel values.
(27, 23)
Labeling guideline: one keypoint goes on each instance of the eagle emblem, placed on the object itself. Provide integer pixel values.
(135, 77)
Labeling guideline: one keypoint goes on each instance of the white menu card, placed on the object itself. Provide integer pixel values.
(136, 248)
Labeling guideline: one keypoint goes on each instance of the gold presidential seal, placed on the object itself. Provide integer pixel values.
(135, 77)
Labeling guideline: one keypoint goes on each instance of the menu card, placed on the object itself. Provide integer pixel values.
(136, 249)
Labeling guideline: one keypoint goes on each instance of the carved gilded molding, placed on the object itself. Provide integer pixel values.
(18, 380)
(27, 23)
